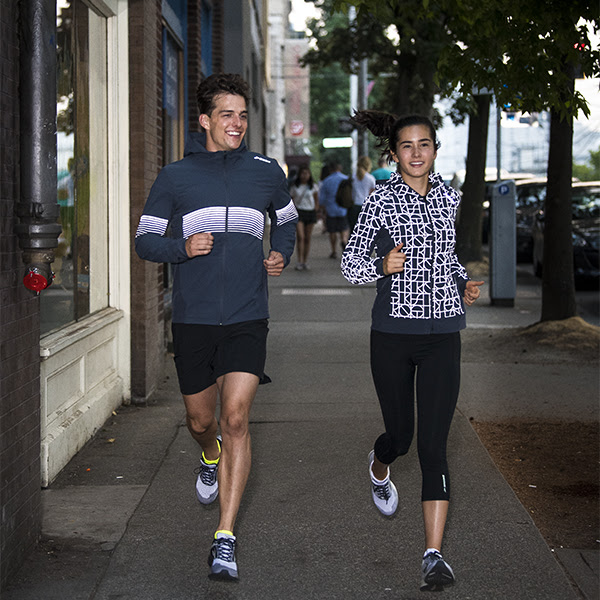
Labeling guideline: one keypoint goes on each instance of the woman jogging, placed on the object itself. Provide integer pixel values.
(416, 319)
(305, 194)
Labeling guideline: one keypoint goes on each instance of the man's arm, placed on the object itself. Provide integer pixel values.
(284, 217)
(151, 242)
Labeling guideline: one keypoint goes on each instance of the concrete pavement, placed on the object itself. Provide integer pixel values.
(122, 521)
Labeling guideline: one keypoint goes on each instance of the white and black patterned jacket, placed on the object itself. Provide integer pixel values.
(426, 297)
(228, 194)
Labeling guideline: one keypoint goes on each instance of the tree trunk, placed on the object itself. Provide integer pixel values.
(468, 232)
(558, 286)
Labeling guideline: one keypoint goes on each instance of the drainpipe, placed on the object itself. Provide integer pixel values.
(38, 210)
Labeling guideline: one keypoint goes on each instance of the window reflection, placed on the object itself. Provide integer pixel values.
(67, 299)
(173, 135)
(172, 99)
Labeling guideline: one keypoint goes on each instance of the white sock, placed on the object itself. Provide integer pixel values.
(430, 550)
(380, 481)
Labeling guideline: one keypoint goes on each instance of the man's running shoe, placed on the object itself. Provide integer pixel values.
(436, 572)
(221, 559)
(384, 492)
(207, 485)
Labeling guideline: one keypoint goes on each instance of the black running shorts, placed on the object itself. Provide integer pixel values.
(204, 353)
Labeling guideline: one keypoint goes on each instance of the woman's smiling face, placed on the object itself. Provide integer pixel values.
(415, 152)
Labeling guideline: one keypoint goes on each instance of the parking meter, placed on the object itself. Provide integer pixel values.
(503, 244)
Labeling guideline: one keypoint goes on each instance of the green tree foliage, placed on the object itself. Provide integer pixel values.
(528, 55)
(402, 51)
(519, 50)
(590, 171)
(515, 48)
(329, 101)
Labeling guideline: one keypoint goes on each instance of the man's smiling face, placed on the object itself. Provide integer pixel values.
(226, 126)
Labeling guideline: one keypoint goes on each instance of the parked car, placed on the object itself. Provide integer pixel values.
(586, 233)
(531, 194)
(525, 207)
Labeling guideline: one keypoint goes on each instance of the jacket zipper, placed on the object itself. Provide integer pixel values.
(431, 280)
(225, 237)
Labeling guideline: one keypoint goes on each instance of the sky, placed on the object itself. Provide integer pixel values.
(301, 11)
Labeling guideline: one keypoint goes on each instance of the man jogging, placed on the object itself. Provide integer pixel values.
(205, 215)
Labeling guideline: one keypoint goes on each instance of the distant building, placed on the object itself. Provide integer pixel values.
(297, 99)
(525, 139)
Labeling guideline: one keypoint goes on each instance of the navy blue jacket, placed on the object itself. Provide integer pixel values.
(227, 194)
(426, 297)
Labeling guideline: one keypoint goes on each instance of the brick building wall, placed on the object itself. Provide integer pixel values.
(145, 122)
(148, 337)
(20, 486)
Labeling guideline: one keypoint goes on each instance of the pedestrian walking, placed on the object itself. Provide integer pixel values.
(382, 172)
(336, 219)
(417, 315)
(305, 194)
(363, 183)
(321, 215)
(205, 214)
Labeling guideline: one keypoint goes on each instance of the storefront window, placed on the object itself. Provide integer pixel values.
(172, 99)
(81, 274)
(173, 109)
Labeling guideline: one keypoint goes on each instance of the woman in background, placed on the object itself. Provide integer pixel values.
(305, 194)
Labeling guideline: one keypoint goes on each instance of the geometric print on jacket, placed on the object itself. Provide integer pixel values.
(395, 213)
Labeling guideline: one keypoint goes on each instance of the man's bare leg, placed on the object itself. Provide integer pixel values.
(201, 421)
(332, 241)
(237, 391)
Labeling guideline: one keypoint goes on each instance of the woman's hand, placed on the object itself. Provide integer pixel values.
(472, 292)
(394, 260)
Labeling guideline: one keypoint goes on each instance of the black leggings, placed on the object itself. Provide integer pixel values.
(436, 359)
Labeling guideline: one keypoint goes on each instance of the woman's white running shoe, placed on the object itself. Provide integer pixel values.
(384, 493)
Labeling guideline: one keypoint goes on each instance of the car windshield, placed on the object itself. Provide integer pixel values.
(586, 203)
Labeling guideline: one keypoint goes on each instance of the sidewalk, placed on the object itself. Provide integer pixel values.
(122, 521)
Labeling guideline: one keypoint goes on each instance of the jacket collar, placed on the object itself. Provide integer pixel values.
(196, 144)
(396, 180)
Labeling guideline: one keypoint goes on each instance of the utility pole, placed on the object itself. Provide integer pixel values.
(354, 100)
(363, 136)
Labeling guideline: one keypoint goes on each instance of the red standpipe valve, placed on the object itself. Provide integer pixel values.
(35, 281)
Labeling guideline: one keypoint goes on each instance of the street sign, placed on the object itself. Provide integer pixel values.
(337, 142)
(296, 127)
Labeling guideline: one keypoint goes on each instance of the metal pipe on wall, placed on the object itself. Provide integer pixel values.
(38, 210)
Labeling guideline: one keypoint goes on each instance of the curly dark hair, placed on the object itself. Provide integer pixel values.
(217, 84)
(386, 126)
